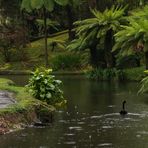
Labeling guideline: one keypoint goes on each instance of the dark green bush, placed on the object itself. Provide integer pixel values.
(132, 74)
(106, 74)
(109, 73)
(68, 61)
(43, 86)
(95, 74)
(120, 74)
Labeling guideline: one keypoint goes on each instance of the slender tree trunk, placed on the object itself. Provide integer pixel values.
(7, 54)
(146, 59)
(94, 58)
(108, 48)
(45, 36)
(70, 17)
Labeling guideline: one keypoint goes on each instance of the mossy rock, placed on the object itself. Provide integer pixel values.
(45, 115)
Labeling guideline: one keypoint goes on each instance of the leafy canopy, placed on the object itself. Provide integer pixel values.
(30, 5)
(133, 37)
(94, 29)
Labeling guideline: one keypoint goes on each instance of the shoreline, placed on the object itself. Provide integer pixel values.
(24, 112)
(21, 72)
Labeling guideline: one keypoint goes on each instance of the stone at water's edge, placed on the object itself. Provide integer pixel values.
(6, 98)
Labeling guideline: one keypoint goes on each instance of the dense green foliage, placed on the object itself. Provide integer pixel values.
(43, 86)
(29, 5)
(106, 35)
(98, 32)
(130, 74)
(106, 74)
(133, 37)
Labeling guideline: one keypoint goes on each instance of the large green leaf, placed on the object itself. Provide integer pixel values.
(62, 2)
(49, 5)
(26, 4)
(37, 4)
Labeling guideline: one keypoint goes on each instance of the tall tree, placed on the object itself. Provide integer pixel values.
(98, 31)
(133, 38)
(45, 5)
(71, 6)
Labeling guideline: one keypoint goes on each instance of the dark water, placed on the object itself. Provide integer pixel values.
(91, 119)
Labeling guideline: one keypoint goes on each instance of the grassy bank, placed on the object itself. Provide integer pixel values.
(32, 56)
(24, 112)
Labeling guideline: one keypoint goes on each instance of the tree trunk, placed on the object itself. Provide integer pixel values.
(6, 54)
(108, 48)
(45, 36)
(146, 60)
(94, 58)
(70, 17)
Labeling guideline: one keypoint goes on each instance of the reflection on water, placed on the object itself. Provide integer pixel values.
(91, 119)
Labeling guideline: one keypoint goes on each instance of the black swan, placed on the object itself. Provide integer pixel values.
(123, 111)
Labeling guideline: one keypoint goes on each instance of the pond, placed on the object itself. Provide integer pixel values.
(91, 118)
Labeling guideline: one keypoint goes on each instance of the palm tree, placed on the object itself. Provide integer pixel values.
(100, 31)
(45, 5)
(133, 38)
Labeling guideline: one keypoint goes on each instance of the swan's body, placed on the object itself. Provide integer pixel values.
(123, 111)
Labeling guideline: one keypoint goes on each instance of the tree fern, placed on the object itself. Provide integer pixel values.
(93, 31)
(133, 37)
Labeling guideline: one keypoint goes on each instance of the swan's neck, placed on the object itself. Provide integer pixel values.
(123, 105)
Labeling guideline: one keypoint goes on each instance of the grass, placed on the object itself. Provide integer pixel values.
(34, 53)
(35, 50)
(25, 102)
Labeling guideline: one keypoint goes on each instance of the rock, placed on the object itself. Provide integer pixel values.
(6, 98)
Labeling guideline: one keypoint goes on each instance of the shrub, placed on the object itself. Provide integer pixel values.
(120, 74)
(132, 74)
(43, 86)
(106, 74)
(101, 74)
(109, 73)
(66, 62)
(95, 74)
